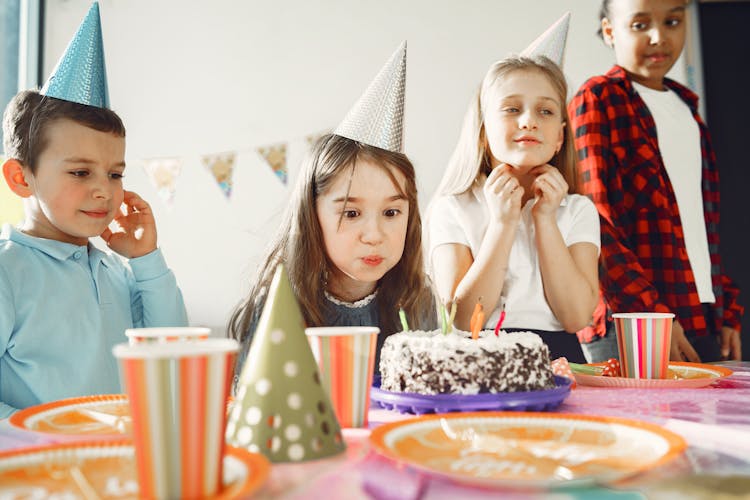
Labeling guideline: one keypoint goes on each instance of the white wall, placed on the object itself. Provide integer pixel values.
(197, 77)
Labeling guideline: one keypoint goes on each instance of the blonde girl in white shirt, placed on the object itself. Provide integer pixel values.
(506, 225)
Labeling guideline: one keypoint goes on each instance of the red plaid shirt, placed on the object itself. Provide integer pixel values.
(644, 264)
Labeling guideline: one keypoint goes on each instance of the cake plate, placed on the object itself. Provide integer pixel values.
(418, 404)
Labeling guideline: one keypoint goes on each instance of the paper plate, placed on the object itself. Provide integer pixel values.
(106, 469)
(695, 375)
(527, 450)
(93, 417)
(407, 402)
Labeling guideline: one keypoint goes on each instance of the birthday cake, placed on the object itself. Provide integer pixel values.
(454, 363)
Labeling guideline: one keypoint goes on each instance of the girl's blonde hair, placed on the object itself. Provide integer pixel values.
(299, 242)
(471, 158)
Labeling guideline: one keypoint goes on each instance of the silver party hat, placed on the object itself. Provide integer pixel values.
(551, 43)
(80, 75)
(378, 116)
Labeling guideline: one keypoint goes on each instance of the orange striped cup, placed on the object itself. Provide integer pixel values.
(643, 340)
(177, 393)
(346, 358)
(166, 334)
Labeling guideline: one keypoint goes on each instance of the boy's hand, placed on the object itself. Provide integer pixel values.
(731, 345)
(549, 190)
(681, 350)
(136, 235)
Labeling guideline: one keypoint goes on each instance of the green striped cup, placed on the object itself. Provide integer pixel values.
(643, 340)
(177, 393)
(346, 360)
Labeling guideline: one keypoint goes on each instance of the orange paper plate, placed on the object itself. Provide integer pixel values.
(106, 469)
(527, 450)
(694, 375)
(99, 417)
(94, 417)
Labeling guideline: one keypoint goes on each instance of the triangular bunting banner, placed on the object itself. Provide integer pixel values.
(221, 167)
(275, 156)
(310, 139)
(163, 173)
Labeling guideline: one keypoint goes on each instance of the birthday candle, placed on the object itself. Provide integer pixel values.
(402, 315)
(500, 322)
(477, 320)
(444, 318)
(452, 316)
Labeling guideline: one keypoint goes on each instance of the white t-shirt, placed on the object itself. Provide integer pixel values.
(463, 219)
(680, 147)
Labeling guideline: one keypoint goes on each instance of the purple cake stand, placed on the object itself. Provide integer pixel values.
(418, 404)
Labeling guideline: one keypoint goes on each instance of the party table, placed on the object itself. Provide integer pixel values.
(714, 421)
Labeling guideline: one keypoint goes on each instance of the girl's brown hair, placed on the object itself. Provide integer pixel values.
(471, 158)
(300, 247)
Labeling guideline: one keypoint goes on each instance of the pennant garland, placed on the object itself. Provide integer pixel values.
(221, 166)
(275, 156)
(163, 173)
(311, 139)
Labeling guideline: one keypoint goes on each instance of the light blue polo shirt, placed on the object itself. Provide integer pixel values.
(63, 307)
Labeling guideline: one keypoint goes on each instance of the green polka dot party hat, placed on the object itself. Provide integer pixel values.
(281, 409)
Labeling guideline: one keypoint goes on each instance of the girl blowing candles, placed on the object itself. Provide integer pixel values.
(505, 223)
(351, 237)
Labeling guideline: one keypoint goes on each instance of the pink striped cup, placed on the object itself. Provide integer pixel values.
(346, 358)
(167, 334)
(643, 340)
(177, 393)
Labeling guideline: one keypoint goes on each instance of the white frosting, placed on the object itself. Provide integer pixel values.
(433, 362)
(435, 340)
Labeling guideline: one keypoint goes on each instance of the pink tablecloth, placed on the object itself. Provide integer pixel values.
(715, 421)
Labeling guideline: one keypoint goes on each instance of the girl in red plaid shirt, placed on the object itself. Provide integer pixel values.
(647, 163)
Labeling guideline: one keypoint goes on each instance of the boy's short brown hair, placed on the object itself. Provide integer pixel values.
(29, 113)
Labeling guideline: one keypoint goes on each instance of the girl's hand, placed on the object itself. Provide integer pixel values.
(136, 235)
(731, 345)
(680, 349)
(503, 193)
(549, 188)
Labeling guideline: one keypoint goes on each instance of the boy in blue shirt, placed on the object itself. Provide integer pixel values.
(63, 302)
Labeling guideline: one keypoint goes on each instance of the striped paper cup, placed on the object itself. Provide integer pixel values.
(643, 340)
(166, 334)
(346, 358)
(178, 393)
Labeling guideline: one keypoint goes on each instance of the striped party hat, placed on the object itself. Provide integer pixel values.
(551, 43)
(80, 75)
(377, 118)
(281, 409)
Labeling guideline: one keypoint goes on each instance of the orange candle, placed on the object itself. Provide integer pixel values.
(477, 320)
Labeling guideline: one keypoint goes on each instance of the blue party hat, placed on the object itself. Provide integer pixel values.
(80, 75)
